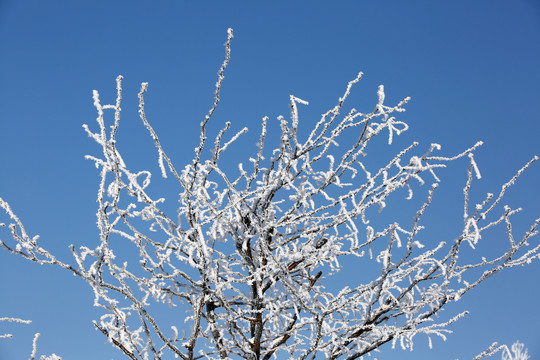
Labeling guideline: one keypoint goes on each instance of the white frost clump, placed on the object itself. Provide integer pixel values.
(519, 352)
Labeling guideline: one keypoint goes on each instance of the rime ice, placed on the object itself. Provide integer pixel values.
(250, 256)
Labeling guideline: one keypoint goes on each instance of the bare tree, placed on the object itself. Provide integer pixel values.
(252, 255)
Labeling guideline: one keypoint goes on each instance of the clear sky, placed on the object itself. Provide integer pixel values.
(472, 69)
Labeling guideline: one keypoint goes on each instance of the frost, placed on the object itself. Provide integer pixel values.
(518, 352)
(251, 256)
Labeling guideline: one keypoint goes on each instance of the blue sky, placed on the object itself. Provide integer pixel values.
(471, 68)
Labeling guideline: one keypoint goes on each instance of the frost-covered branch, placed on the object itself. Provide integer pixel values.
(517, 352)
(248, 262)
(33, 354)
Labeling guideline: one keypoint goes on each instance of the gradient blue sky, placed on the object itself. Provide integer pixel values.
(472, 69)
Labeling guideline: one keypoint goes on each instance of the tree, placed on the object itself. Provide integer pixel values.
(252, 256)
